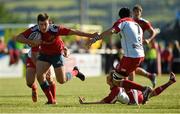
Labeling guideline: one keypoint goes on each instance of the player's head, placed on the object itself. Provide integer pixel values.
(43, 22)
(109, 79)
(137, 11)
(124, 12)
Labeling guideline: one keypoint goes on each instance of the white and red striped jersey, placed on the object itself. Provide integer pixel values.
(132, 35)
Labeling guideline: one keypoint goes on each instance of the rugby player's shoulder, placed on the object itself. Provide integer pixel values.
(35, 28)
(53, 28)
(144, 20)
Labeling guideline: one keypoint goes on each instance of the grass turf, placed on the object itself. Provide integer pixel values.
(15, 97)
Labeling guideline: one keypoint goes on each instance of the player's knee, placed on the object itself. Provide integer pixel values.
(41, 77)
(61, 81)
(29, 84)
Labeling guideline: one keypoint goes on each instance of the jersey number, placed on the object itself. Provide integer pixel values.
(138, 27)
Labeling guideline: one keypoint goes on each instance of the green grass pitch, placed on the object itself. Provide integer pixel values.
(15, 97)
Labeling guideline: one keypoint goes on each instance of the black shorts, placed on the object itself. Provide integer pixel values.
(55, 60)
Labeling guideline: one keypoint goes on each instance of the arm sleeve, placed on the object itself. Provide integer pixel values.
(112, 97)
(63, 30)
(147, 25)
(116, 27)
(27, 32)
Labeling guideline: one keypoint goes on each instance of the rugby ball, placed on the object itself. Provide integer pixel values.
(123, 97)
(34, 35)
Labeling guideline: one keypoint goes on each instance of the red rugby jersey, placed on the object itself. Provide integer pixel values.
(144, 24)
(54, 44)
(27, 33)
(53, 35)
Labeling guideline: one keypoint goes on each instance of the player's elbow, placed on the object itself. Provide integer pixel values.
(18, 38)
(152, 32)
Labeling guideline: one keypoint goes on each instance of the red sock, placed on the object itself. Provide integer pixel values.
(48, 94)
(53, 90)
(160, 89)
(46, 89)
(127, 84)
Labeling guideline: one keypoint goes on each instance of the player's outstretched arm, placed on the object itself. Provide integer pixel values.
(103, 35)
(82, 101)
(80, 33)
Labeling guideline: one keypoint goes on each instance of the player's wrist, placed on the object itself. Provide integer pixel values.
(95, 39)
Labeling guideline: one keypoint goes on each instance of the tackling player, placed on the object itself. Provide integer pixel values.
(136, 97)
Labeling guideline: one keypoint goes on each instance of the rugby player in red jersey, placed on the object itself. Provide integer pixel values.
(31, 66)
(136, 97)
(51, 53)
(144, 24)
(132, 45)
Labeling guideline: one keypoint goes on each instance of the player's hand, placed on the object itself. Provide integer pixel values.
(89, 43)
(66, 52)
(81, 100)
(92, 40)
(146, 41)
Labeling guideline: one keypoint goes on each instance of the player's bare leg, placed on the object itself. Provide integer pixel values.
(151, 76)
(52, 83)
(34, 92)
(41, 69)
(30, 81)
(131, 76)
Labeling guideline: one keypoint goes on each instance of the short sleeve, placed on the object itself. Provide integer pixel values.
(112, 97)
(63, 30)
(147, 25)
(116, 27)
(27, 32)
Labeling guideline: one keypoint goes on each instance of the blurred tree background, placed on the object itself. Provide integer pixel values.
(162, 13)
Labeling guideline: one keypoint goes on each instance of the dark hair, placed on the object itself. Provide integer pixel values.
(42, 17)
(124, 12)
(137, 7)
